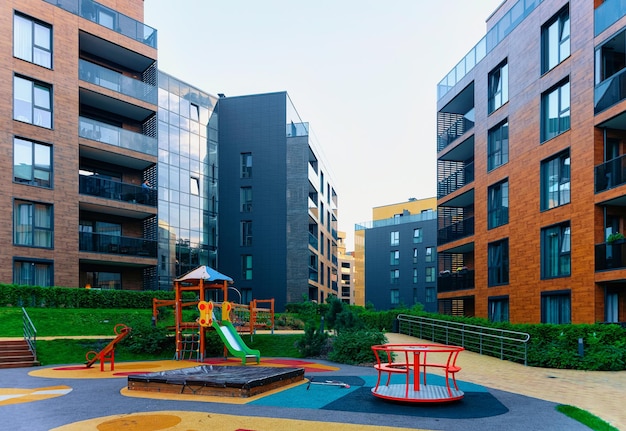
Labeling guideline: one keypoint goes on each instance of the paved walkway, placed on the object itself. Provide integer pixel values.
(601, 393)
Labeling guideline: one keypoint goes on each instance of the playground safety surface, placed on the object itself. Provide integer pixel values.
(70, 398)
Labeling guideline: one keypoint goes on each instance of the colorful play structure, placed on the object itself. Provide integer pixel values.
(226, 318)
(108, 353)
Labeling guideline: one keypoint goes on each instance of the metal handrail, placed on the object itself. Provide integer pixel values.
(500, 343)
(30, 333)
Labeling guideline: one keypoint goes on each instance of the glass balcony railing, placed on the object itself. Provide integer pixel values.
(109, 18)
(610, 256)
(93, 185)
(450, 281)
(610, 174)
(107, 134)
(607, 14)
(610, 91)
(113, 244)
(313, 241)
(456, 231)
(297, 129)
(495, 35)
(115, 81)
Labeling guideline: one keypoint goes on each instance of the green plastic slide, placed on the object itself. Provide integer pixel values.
(233, 341)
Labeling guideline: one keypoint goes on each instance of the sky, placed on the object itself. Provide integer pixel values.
(362, 73)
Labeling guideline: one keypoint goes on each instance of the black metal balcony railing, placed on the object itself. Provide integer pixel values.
(610, 256)
(456, 231)
(109, 18)
(113, 244)
(451, 281)
(610, 174)
(456, 181)
(610, 91)
(457, 129)
(95, 186)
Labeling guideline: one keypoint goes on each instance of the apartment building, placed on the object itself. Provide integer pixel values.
(531, 126)
(346, 268)
(78, 123)
(278, 206)
(397, 254)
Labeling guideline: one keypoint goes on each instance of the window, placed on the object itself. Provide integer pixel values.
(32, 102)
(430, 274)
(32, 41)
(415, 276)
(394, 276)
(32, 224)
(430, 254)
(498, 81)
(32, 273)
(499, 309)
(555, 37)
(555, 111)
(417, 235)
(498, 146)
(194, 112)
(245, 194)
(246, 233)
(394, 257)
(556, 251)
(431, 294)
(246, 165)
(194, 186)
(498, 204)
(32, 163)
(415, 255)
(498, 263)
(556, 307)
(555, 181)
(246, 266)
(104, 280)
(395, 238)
(395, 296)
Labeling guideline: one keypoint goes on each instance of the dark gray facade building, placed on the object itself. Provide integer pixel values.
(278, 206)
(401, 261)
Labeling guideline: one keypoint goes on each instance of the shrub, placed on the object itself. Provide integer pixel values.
(145, 338)
(314, 342)
(355, 347)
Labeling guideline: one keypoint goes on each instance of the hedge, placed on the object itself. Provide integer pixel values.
(66, 297)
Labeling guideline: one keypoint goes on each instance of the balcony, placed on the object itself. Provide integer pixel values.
(455, 129)
(108, 134)
(110, 19)
(118, 245)
(313, 241)
(610, 91)
(608, 13)
(456, 231)
(456, 181)
(107, 78)
(610, 256)
(450, 282)
(93, 185)
(610, 174)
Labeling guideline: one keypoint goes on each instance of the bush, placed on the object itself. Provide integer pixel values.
(355, 347)
(145, 338)
(314, 342)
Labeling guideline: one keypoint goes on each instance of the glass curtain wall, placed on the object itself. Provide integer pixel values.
(187, 182)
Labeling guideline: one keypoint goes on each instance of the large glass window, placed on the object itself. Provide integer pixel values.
(430, 254)
(556, 307)
(246, 233)
(417, 235)
(555, 181)
(246, 266)
(498, 86)
(555, 111)
(32, 40)
(498, 204)
(394, 276)
(556, 251)
(499, 309)
(32, 102)
(246, 165)
(395, 297)
(246, 199)
(498, 263)
(430, 274)
(32, 163)
(395, 238)
(555, 37)
(32, 273)
(498, 146)
(394, 257)
(32, 224)
(104, 280)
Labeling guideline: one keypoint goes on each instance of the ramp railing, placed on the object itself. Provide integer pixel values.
(30, 333)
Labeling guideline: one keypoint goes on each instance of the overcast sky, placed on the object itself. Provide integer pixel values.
(362, 73)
